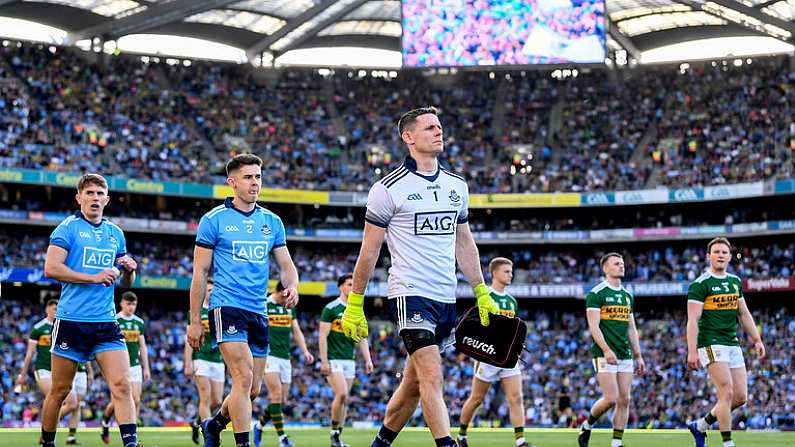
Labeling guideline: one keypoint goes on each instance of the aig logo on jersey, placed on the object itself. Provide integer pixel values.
(435, 223)
(98, 258)
(250, 251)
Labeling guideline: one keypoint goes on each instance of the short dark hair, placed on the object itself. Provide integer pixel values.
(241, 160)
(51, 301)
(606, 257)
(718, 240)
(130, 297)
(91, 179)
(210, 280)
(279, 287)
(410, 117)
(341, 280)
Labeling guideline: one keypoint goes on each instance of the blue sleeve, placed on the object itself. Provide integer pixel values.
(121, 247)
(279, 238)
(206, 234)
(62, 237)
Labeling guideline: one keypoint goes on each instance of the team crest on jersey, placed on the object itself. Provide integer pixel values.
(266, 230)
(454, 197)
(416, 318)
(63, 346)
(113, 240)
(231, 330)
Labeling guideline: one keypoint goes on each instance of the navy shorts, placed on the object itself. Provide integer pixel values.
(416, 312)
(79, 341)
(230, 324)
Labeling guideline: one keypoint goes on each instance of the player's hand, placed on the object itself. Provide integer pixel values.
(147, 375)
(486, 304)
(188, 370)
(368, 367)
(640, 366)
(308, 357)
(610, 358)
(325, 368)
(290, 295)
(127, 263)
(692, 360)
(106, 277)
(195, 335)
(354, 323)
(760, 350)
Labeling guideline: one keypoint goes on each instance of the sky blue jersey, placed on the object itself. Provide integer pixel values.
(92, 248)
(241, 244)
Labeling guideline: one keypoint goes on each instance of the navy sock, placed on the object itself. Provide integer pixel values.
(129, 437)
(217, 423)
(47, 438)
(384, 438)
(241, 439)
(447, 441)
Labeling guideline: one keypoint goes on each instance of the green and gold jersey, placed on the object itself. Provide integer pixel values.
(505, 302)
(42, 335)
(340, 347)
(720, 296)
(615, 307)
(206, 350)
(280, 329)
(132, 328)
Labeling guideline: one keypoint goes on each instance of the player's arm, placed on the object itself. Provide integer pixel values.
(634, 342)
(322, 345)
(288, 275)
(594, 317)
(364, 348)
(202, 260)
(187, 359)
(301, 342)
(368, 256)
(144, 357)
(694, 311)
(55, 268)
(22, 377)
(468, 258)
(749, 326)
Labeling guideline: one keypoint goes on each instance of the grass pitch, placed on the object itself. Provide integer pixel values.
(174, 437)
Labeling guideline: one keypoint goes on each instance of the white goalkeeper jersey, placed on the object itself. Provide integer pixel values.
(420, 214)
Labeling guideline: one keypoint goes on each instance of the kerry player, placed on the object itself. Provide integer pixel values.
(282, 324)
(714, 303)
(615, 344)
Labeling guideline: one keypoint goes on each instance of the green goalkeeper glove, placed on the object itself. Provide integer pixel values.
(354, 324)
(486, 304)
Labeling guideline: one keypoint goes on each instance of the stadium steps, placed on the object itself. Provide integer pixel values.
(642, 156)
(334, 113)
(499, 113)
(555, 128)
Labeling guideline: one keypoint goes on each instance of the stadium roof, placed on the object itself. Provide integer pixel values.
(271, 28)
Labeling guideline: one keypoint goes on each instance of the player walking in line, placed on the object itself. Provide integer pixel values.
(83, 254)
(282, 324)
(615, 342)
(206, 367)
(236, 239)
(132, 327)
(714, 303)
(422, 211)
(337, 353)
(510, 378)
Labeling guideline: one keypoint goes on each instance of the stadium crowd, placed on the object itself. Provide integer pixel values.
(556, 372)
(171, 122)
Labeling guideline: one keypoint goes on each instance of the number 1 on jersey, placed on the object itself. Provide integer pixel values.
(435, 196)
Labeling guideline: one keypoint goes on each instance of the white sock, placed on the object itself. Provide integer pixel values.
(728, 444)
(616, 443)
(520, 441)
(282, 437)
(586, 425)
(702, 425)
(461, 436)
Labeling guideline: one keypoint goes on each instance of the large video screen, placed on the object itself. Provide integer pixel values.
(463, 33)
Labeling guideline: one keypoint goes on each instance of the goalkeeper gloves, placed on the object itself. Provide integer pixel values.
(354, 324)
(486, 304)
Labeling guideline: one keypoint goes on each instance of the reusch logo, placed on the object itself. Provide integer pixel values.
(479, 345)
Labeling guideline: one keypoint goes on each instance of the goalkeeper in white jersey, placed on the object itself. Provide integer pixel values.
(421, 210)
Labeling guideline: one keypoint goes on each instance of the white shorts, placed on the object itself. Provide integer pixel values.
(280, 366)
(600, 365)
(491, 373)
(80, 383)
(733, 355)
(215, 371)
(346, 367)
(43, 374)
(136, 374)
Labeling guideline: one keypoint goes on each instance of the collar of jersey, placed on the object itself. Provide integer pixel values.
(228, 203)
(411, 164)
(81, 216)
